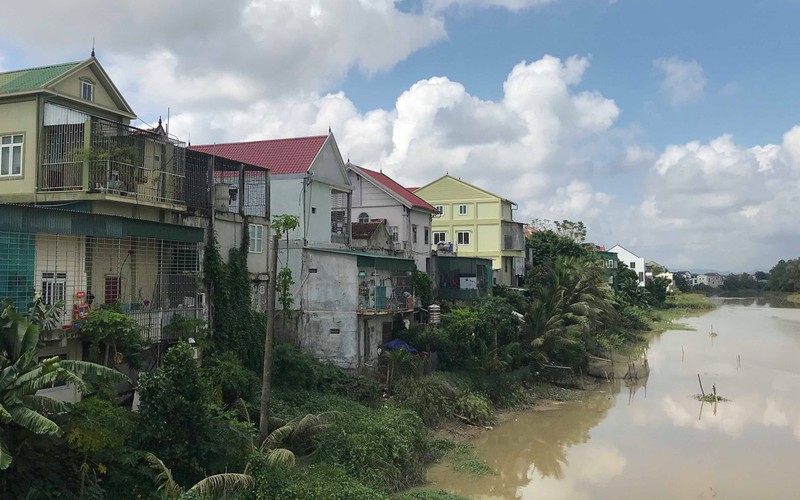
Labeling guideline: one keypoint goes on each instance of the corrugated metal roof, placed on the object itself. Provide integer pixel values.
(385, 262)
(25, 219)
(32, 79)
(281, 156)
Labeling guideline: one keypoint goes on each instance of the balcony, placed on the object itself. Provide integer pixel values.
(84, 153)
(152, 278)
(513, 236)
(384, 291)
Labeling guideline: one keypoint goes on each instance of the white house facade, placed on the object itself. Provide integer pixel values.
(631, 260)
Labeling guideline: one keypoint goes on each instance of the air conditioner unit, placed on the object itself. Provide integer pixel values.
(398, 246)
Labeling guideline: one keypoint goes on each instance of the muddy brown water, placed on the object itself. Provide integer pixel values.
(652, 440)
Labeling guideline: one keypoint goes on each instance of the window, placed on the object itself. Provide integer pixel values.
(610, 263)
(363, 217)
(334, 331)
(462, 209)
(633, 265)
(463, 237)
(54, 287)
(11, 155)
(393, 231)
(414, 233)
(439, 237)
(87, 90)
(256, 238)
(641, 276)
(113, 289)
(427, 236)
(440, 209)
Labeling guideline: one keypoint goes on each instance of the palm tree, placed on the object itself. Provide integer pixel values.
(21, 376)
(218, 485)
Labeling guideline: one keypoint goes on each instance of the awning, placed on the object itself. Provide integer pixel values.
(375, 261)
(26, 219)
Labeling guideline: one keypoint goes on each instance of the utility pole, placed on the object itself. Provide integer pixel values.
(266, 381)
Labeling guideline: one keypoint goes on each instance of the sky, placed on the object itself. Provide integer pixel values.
(670, 127)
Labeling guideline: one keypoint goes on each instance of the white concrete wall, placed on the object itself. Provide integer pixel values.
(329, 300)
(71, 350)
(633, 261)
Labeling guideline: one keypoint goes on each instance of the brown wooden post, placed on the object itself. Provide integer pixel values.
(266, 378)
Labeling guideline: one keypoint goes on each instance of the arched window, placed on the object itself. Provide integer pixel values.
(363, 217)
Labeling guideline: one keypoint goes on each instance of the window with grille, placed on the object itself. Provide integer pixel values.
(54, 287)
(427, 236)
(340, 219)
(363, 217)
(113, 289)
(393, 230)
(414, 233)
(11, 155)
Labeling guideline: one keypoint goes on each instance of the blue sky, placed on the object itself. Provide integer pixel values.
(669, 127)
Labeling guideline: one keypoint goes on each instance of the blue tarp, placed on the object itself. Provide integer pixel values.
(399, 344)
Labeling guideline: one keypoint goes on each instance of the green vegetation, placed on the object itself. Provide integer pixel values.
(462, 458)
(329, 434)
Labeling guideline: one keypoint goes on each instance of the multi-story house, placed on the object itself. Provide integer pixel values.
(477, 223)
(610, 263)
(93, 208)
(632, 261)
(714, 280)
(408, 217)
(344, 299)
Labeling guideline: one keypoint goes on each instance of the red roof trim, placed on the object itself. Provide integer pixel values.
(395, 188)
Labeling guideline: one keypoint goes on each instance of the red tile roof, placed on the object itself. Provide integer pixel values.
(280, 156)
(403, 193)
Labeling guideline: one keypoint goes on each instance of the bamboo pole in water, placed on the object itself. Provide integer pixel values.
(701, 386)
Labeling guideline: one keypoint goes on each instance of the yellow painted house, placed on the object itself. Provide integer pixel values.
(473, 222)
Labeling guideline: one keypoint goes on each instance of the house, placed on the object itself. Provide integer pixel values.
(408, 217)
(478, 224)
(610, 262)
(344, 299)
(714, 280)
(372, 236)
(92, 208)
(631, 260)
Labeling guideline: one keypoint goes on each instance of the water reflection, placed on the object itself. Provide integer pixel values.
(649, 438)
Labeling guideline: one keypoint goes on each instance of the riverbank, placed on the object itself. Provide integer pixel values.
(680, 305)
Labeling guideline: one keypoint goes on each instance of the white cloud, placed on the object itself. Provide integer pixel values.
(683, 81)
(272, 46)
(513, 5)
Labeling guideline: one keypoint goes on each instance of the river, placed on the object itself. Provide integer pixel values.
(653, 439)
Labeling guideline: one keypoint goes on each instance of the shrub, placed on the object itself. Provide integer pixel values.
(384, 449)
(431, 397)
(474, 407)
(233, 379)
(320, 482)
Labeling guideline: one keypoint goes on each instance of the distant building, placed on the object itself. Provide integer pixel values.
(714, 280)
(630, 259)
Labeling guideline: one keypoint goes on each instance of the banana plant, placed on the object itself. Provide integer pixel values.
(22, 376)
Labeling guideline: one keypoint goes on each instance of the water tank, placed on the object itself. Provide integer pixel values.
(222, 198)
(435, 314)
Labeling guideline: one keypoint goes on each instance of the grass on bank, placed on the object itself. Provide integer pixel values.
(680, 305)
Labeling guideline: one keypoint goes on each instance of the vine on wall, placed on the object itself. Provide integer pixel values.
(237, 327)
